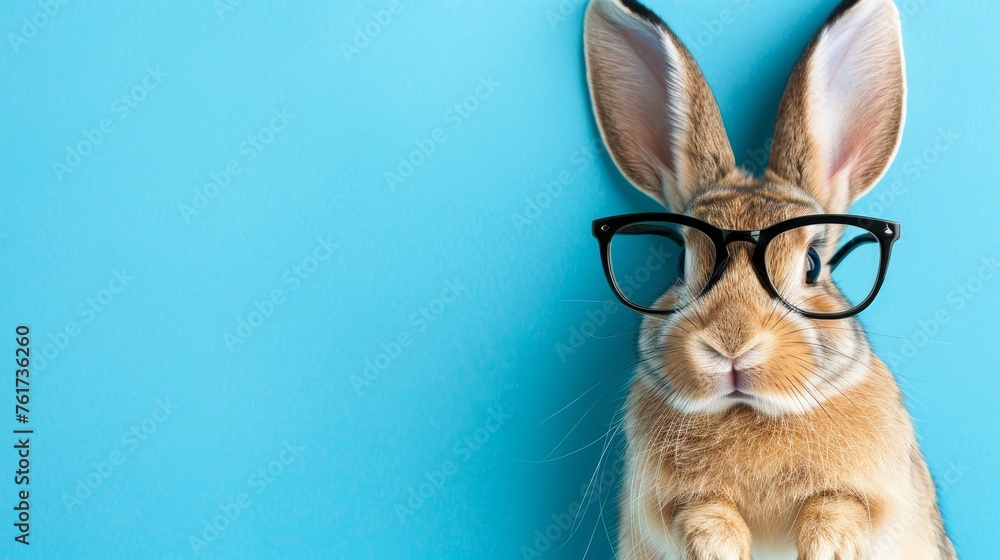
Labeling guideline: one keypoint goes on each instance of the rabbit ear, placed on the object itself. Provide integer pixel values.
(656, 112)
(841, 117)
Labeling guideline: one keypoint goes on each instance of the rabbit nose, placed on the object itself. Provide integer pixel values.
(729, 364)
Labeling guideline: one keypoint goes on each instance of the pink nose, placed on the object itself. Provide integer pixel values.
(732, 366)
(737, 379)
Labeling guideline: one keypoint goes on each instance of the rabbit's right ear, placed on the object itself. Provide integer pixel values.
(840, 120)
(656, 113)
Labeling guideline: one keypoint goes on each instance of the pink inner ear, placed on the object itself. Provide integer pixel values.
(856, 77)
(858, 146)
(853, 98)
(650, 83)
(641, 66)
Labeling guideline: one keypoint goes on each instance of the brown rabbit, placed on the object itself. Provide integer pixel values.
(755, 431)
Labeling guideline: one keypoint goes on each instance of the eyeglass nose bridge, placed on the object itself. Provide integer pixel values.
(751, 237)
(729, 237)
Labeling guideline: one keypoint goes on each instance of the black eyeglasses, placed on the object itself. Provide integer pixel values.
(825, 266)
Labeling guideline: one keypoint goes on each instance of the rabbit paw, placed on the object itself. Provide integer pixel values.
(833, 527)
(714, 531)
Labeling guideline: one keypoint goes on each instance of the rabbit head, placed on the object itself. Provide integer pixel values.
(839, 126)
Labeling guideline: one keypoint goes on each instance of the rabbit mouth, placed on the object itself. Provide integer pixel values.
(738, 395)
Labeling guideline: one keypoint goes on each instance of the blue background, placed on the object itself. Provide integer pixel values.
(495, 408)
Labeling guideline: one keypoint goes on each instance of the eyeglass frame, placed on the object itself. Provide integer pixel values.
(885, 232)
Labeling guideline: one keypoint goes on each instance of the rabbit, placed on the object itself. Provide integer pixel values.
(833, 474)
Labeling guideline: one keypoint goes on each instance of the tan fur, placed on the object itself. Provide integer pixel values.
(705, 151)
(779, 475)
(822, 462)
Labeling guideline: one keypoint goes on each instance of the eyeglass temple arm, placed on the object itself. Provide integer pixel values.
(863, 239)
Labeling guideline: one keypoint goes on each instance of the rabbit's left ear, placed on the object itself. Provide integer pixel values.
(655, 110)
(840, 120)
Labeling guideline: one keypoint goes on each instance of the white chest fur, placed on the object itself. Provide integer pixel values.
(774, 552)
